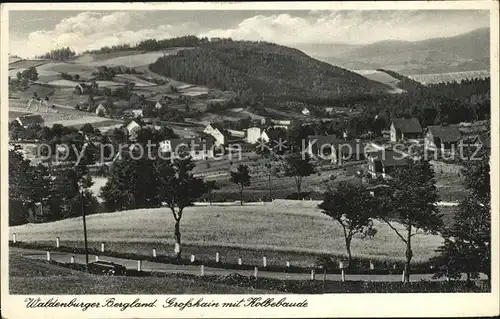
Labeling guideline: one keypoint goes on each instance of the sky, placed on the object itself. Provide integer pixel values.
(36, 32)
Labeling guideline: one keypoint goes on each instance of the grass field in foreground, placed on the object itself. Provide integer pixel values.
(296, 228)
(34, 277)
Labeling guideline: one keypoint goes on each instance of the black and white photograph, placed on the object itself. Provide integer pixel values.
(230, 159)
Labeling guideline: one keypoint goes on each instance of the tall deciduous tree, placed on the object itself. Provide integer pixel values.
(210, 187)
(241, 178)
(352, 207)
(410, 201)
(178, 188)
(298, 165)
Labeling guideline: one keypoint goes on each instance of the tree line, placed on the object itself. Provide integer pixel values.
(63, 54)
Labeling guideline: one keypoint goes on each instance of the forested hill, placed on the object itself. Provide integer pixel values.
(263, 68)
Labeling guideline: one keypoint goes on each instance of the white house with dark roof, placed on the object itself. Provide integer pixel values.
(132, 129)
(442, 138)
(217, 131)
(405, 129)
(253, 135)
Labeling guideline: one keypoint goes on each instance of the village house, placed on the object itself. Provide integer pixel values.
(30, 120)
(405, 129)
(336, 150)
(482, 140)
(199, 148)
(100, 109)
(254, 134)
(305, 111)
(137, 113)
(217, 131)
(281, 123)
(442, 138)
(132, 129)
(383, 163)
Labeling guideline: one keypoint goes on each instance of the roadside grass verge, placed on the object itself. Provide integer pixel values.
(34, 277)
(152, 283)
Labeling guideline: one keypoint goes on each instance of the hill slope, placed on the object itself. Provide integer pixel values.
(263, 68)
(464, 52)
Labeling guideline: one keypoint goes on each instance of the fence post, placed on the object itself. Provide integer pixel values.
(255, 272)
(343, 274)
(139, 264)
(154, 252)
(217, 257)
(313, 274)
(287, 264)
(403, 276)
(48, 255)
(14, 238)
(102, 247)
(372, 266)
(193, 258)
(57, 242)
(72, 260)
(202, 270)
(264, 262)
(240, 262)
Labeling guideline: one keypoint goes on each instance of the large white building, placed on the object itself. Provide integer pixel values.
(254, 134)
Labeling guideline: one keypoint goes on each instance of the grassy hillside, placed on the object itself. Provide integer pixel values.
(264, 68)
(276, 227)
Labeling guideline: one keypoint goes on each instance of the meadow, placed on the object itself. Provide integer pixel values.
(279, 228)
(449, 77)
(381, 77)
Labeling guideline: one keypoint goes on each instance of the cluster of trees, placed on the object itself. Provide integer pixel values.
(63, 54)
(445, 103)
(29, 74)
(407, 204)
(106, 73)
(154, 45)
(70, 77)
(263, 67)
(467, 246)
(38, 194)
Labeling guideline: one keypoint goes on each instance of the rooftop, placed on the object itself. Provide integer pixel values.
(411, 125)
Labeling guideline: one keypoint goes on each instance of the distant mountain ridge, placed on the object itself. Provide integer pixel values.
(464, 52)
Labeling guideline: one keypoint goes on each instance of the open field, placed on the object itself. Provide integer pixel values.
(381, 77)
(24, 64)
(449, 77)
(133, 60)
(34, 277)
(257, 227)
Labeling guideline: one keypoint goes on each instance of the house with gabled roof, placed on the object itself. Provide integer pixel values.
(384, 162)
(482, 140)
(133, 128)
(442, 137)
(405, 129)
(30, 120)
(218, 132)
(199, 148)
(335, 149)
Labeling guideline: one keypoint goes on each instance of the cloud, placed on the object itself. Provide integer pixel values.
(92, 30)
(359, 27)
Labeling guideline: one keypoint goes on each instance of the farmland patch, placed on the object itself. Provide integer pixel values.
(449, 77)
